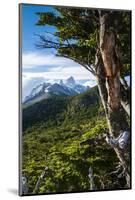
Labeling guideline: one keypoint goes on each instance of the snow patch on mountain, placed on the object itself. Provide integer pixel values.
(90, 83)
(67, 87)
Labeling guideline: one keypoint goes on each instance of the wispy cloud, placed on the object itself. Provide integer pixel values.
(29, 83)
(34, 59)
(52, 67)
(63, 73)
(55, 68)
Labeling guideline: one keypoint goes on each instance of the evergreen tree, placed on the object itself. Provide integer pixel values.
(99, 40)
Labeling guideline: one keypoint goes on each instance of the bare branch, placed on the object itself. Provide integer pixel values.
(48, 43)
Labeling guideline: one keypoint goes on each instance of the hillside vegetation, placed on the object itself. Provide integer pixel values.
(52, 131)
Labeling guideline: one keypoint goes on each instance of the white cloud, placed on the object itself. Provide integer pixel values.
(79, 73)
(58, 68)
(29, 82)
(59, 75)
(34, 59)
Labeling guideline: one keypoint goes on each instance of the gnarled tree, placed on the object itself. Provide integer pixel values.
(99, 40)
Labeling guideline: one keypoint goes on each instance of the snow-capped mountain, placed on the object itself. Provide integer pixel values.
(70, 82)
(69, 87)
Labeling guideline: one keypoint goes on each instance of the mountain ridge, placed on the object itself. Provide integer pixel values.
(57, 109)
(63, 88)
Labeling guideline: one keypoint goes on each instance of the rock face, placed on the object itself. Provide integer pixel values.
(63, 88)
(70, 82)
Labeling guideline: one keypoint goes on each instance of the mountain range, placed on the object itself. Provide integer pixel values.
(45, 90)
(59, 109)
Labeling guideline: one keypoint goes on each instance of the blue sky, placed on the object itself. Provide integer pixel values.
(41, 65)
(29, 19)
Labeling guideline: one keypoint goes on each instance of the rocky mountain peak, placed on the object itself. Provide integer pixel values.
(70, 81)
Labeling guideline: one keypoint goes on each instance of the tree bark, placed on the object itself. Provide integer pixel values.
(125, 98)
(91, 179)
(124, 83)
(109, 87)
(126, 106)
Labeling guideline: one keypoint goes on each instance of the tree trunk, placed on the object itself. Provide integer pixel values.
(115, 114)
(126, 106)
(91, 179)
(125, 98)
(115, 122)
(124, 83)
(41, 177)
(101, 79)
